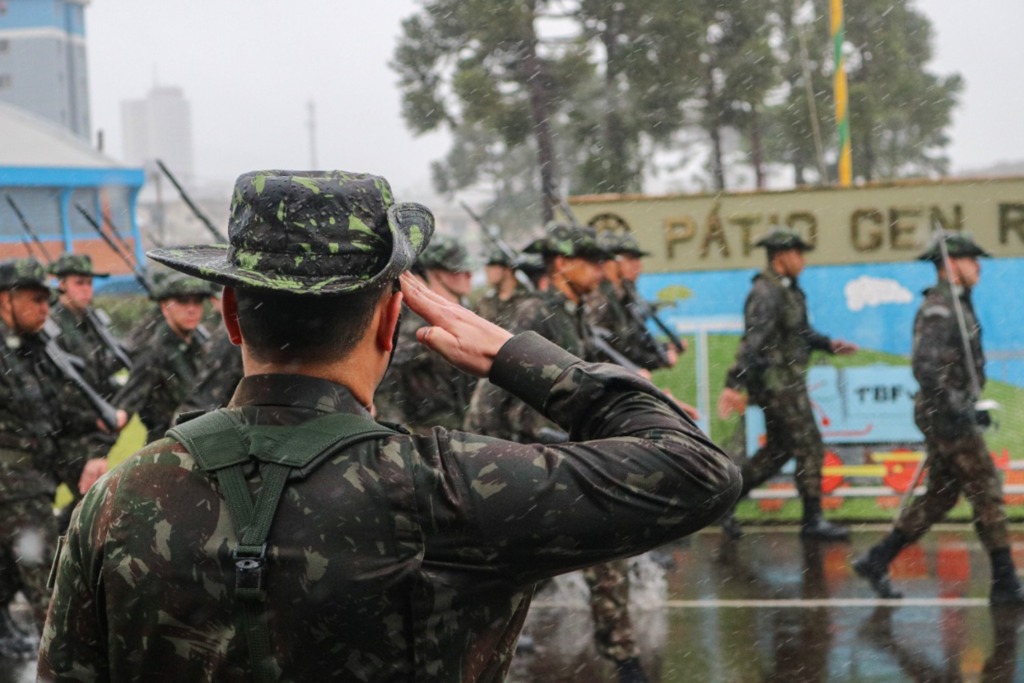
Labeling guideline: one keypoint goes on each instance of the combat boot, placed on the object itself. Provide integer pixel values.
(875, 565)
(630, 671)
(1006, 588)
(815, 527)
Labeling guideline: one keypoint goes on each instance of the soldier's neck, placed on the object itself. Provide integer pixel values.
(359, 372)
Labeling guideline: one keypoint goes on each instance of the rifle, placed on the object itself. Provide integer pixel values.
(600, 336)
(29, 231)
(65, 363)
(195, 209)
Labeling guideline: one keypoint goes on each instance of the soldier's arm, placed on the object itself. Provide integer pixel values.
(134, 394)
(936, 355)
(760, 313)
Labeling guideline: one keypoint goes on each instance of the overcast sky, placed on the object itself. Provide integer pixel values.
(250, 67)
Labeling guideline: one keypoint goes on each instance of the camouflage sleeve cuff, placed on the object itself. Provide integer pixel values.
(528, 365)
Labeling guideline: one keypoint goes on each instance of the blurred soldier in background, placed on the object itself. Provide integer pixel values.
(220, 373)
(165, 369)
(77, 320)
(499, 303)
(44, 421)
(608, 306)
(771, 364)
(951, 379)
(421, 390)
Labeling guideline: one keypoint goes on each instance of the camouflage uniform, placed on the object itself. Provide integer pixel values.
(43, 419)
(771, 364)
(166, 369)
(491, 306)
(403, 557)
(220, 374)
(421, 389)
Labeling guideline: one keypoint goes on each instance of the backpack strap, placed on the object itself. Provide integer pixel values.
(221, 446)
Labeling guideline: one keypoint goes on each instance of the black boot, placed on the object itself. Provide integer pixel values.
(630, 671)
(815, 526)
(1006, 588)
(875, 565)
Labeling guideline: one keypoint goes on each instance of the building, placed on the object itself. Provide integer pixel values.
(42, 61)
(159, 126)
(46, 174)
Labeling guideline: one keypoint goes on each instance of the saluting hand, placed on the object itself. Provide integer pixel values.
(463, 338)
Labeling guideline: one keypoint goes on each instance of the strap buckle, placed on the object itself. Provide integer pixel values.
(250, 571)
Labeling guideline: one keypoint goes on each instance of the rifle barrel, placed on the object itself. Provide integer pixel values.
(188, 200)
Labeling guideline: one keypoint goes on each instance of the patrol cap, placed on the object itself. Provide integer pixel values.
(497, 257)
(568, 241)
(630, 247)
(23, 272)
(445, 253)
(781, 238)
(74, 264)
(178, 284)
(958, 245)
(309, 233)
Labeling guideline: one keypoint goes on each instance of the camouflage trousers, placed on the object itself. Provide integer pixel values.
(28, 542)
(791, 432)
(957, 465)
(609, 605)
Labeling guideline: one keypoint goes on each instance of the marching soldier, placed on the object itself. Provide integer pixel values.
(78, 322)
(165, 369)
(421, 389)
(43, 418)
(499, 303)
(950, 380)
(771, 365)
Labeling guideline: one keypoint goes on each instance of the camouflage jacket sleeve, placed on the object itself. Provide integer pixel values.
(640, 474)
(760, 314)
(144, 376)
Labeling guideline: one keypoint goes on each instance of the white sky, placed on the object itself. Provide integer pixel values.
(249, 68)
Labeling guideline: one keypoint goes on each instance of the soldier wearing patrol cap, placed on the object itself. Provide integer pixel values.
(505, 292)
(367, 553)
(771, 366)
(44, 420)
(950, 381)
(165, 370)
(421, 390)
(77, 320)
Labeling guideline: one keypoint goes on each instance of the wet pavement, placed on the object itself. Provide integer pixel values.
(772, 608)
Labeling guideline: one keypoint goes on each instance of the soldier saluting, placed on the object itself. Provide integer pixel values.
(949, 366)
(771, 364)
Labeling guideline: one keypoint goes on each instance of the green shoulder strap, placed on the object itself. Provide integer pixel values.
(221, 446)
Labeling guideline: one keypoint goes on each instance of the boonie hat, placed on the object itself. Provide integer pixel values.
(23, 272)
(780, 238)
(74, 264)
(497, 257)
(568, 241)
(958, 245)
(446, 253)
(630, 247)
(179, 284)
(312, 233)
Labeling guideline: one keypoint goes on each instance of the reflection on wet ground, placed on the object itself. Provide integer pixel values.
(772, 608)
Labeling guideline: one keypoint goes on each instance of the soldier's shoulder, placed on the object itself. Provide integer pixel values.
(935, 304)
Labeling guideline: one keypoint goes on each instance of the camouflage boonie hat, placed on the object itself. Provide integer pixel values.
(74, 264)
(497, 257)
(23, 272)
(780, 238)
(621, 243)
(531, 264)
(958, 245)
(568, 241)
(310, 233)
(446, 253)
(179, 284)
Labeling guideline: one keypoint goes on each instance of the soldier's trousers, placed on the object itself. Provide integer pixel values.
(957, 464)
(28, 537)
(791, 432)
(609, 605)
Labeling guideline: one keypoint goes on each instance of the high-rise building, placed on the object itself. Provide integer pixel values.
(42, 61)
(159, 127)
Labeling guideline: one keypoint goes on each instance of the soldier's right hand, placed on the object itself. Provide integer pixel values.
(463, 338)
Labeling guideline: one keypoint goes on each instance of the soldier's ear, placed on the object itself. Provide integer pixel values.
(229, 311)
(387, 316)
